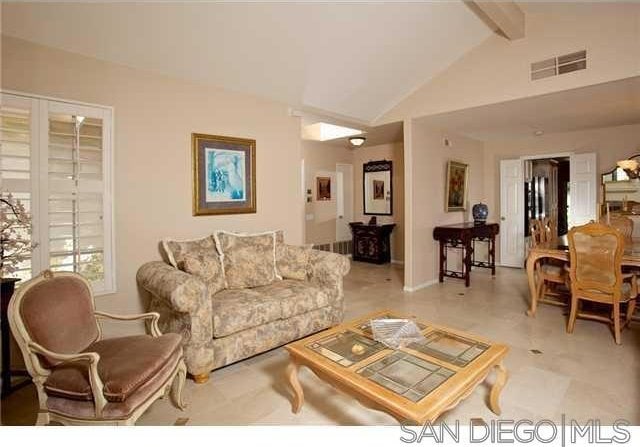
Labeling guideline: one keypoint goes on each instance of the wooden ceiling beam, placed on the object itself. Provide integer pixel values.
(503, 17)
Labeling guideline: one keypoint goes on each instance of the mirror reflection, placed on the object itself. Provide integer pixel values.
(378, 195)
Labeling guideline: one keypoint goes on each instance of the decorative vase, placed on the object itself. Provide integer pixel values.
(480, 213)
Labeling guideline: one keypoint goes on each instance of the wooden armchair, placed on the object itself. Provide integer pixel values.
(80, 377)
(596, 275)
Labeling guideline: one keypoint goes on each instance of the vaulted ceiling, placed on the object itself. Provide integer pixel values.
(354, 59)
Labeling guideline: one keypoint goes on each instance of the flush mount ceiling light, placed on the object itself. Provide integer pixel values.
(357, 141)
(538, 133)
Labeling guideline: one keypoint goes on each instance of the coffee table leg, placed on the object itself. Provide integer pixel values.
(298, 394)
(501, 380)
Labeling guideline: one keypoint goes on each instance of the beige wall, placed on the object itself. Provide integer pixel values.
(320, 161)
(425, 170)
(498, 69)
(154, 118)
(394, 153)
(610, 144)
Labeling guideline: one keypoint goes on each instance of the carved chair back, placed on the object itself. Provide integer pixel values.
(595, 262)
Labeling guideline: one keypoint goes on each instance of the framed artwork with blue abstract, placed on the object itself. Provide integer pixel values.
(224, 175)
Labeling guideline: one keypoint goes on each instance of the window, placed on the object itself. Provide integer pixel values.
(56, 157)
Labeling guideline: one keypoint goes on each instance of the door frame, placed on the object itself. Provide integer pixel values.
(340, 189)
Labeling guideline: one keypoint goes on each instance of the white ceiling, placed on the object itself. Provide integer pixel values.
(352, 59)
(604, 105)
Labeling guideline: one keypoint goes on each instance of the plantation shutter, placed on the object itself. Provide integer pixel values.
(19, 159)
(78, 206)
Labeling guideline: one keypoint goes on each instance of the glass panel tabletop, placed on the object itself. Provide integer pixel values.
(346, 348)
(405, 372)
(406, 375)
(450, 348)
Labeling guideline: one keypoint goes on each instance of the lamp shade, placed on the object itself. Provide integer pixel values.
(628, 165)
(357, 141)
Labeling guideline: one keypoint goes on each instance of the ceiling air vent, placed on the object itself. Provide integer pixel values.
(559, 65)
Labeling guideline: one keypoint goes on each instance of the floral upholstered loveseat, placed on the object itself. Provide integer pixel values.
(232, 296)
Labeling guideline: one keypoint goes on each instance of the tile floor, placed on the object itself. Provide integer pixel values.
(583, 376)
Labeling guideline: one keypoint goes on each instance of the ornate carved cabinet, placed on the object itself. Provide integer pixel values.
(371, 243)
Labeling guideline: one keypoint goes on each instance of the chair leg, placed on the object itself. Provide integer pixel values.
(631, 309)
(177, 386)
(573, 314)
(616, 322)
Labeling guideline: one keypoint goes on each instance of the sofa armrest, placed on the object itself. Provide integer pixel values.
(326, 271)
(184, 305)
(179, 290)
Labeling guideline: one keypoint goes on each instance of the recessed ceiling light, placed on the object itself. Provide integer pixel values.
(357, 141)
(538, 133)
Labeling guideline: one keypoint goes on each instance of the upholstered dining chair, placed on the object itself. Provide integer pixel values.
(80, 377)
(595, 252)
(551, 273)
(623, 224)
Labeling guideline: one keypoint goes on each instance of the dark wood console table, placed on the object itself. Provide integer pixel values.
(463, 237)
(371, 243)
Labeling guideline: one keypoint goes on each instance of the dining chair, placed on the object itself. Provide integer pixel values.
(82, 378)
(595, 253)
(623, 224)
(551, 273)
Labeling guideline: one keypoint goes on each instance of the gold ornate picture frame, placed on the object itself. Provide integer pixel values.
(224, 175)
(456, 187)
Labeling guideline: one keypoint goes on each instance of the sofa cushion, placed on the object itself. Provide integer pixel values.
(126, 363)
(293, 261)
(176, 250)
(208, 267)
(294, 297)
(235, 310)
(249, 259)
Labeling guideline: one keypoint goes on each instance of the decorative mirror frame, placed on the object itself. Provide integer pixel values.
(377, 166)
(611, 171)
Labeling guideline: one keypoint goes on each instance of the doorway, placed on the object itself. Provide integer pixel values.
(530, 187)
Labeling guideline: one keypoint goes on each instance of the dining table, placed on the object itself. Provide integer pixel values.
(558, 248)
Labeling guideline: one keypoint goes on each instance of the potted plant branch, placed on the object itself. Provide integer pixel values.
(15, 241)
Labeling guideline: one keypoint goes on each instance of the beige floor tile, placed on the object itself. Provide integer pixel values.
(583, 375)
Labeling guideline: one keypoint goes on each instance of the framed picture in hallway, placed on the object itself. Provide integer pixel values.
(456, 187)
(224, 175)
(324, 188)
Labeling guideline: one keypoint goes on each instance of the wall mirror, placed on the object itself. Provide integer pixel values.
(621, 187)
(377, 189)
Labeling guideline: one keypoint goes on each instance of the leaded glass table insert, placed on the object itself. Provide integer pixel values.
(346, 348)
(406, 375)
(417, 383)
(459, 351)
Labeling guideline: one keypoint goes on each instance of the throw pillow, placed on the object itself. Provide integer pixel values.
(176, 250)
(208, 267)
(293, 261)
(249, 259)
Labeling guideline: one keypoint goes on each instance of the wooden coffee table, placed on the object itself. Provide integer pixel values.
(414, 384)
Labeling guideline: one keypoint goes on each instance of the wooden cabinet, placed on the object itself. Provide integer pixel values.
(371, 243)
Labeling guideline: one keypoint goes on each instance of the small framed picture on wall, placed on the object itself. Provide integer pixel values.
(323, 188)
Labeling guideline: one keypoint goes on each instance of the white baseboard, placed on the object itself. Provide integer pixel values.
(424, 285)
(395, 261)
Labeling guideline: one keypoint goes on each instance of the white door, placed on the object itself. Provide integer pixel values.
(511, 213)
(344, 195)
(583, 199)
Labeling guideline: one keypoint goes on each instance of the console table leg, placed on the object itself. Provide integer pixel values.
(298, 394)
(442, 261)
(468, 254)
(501, 380)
